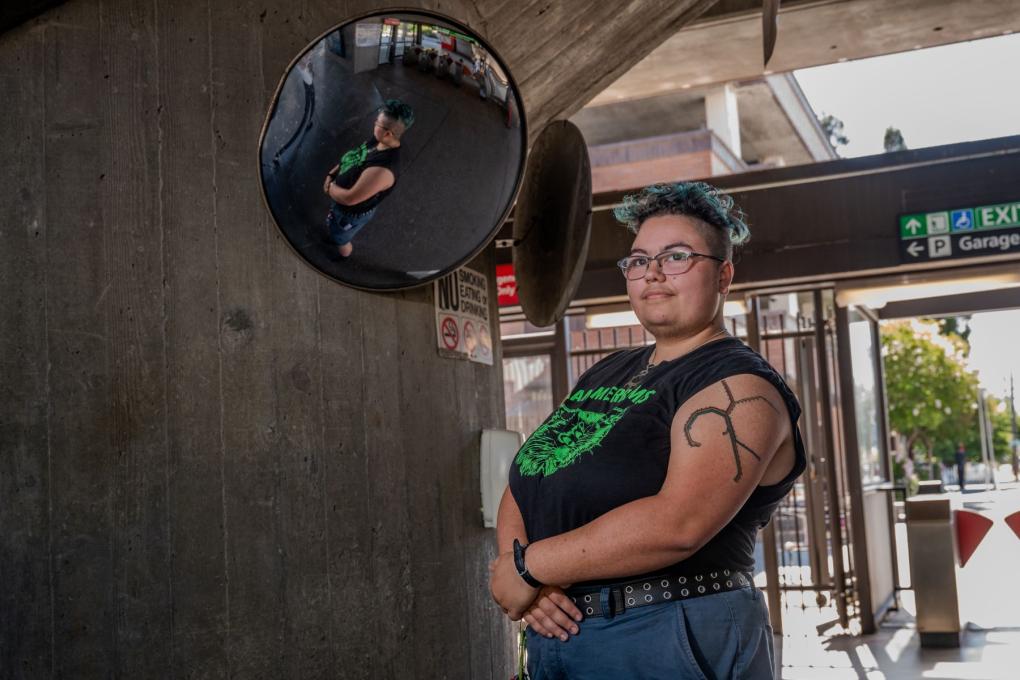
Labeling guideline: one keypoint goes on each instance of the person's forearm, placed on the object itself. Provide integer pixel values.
(639, 537)
(340, 195)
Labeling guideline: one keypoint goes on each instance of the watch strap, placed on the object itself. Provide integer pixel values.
(522, 568)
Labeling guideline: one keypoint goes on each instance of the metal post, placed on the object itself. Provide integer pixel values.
(1012, 424)
(768, 536)
(853, 471)
(990, 464)
(560, 358)
(887, 467)
(985, 430)
(839, 584)
(932, 570)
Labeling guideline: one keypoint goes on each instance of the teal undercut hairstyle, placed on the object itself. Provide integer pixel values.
(394, 109)
(725, 221)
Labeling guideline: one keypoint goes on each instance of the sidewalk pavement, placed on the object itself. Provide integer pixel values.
(989, 591)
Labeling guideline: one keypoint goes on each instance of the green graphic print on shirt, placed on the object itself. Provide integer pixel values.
(571, 432)
(353, 158)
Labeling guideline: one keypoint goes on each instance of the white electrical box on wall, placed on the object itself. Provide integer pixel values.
(498, 448)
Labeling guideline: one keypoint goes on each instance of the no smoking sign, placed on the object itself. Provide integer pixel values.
(462, 316)
(450, 333)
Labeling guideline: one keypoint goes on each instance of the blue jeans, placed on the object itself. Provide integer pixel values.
(343, 226)
(726, 635)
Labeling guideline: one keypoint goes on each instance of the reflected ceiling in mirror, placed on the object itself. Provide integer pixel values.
(392, 150)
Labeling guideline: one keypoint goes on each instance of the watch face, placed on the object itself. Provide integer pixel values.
(393, 149)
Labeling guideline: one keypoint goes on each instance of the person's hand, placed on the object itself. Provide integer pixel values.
(326, 183)
(508, 589)
(553, 614)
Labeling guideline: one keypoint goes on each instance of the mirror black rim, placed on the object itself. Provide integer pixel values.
(521, 163)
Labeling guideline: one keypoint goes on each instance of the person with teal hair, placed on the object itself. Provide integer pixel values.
(721, 221)
(365, 176)
(626, 535)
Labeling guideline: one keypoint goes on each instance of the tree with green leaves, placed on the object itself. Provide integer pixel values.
(833, 128)
(893, 140)
(931, 392)
(958, 326)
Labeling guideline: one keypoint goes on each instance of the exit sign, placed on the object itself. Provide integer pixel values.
(960, 232)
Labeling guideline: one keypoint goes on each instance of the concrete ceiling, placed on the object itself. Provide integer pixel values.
(564, 52)
(663, 115)
(725, 44)
(766, 133)
(765, 130)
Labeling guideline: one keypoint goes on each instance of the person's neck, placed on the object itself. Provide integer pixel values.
(381, 146)
(674, 347)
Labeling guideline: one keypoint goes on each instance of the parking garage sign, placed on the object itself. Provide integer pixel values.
(960, 232)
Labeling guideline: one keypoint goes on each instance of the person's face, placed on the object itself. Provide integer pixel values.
(383, 129)
(681, 303)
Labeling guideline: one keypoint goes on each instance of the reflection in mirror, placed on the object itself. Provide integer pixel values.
(392, 150)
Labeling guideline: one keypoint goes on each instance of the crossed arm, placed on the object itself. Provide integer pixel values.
(370, 182)
(722, 441)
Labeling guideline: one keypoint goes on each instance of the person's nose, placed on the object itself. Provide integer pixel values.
(654, 271)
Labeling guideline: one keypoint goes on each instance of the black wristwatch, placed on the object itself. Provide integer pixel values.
(522, 569)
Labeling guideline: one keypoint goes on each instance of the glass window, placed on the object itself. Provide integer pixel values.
(509, 329)
(527, 388)
(866, 407)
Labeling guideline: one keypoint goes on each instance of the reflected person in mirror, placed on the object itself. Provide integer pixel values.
(365, 176)
(627, 532)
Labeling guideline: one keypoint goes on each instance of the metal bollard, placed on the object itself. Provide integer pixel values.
(931, 544)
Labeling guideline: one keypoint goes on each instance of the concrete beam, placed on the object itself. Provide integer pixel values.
(727, 47)
(791, 100)
(562, 54)
(776, 123)
(722, 115)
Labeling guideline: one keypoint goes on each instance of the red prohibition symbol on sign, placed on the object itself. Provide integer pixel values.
(451, 336)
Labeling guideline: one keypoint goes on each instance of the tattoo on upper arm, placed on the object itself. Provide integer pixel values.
(730, 431)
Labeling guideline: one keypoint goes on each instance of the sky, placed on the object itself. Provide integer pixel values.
(993, 350)
(940, 95)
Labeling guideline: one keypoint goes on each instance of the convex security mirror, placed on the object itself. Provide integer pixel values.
(552, 223)
(392, 150)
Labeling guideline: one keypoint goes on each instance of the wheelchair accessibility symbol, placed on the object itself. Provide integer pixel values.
(963, 220)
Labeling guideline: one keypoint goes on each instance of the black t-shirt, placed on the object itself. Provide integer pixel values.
(605, 446)
(354, 162)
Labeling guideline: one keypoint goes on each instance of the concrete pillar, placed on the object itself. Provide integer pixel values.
(722, 116)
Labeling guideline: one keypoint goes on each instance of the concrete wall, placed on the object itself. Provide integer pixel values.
(214, 462)
(666, 158)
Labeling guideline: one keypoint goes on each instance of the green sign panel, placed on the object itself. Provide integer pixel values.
(998, 216)
(1001, 216)
(960, 232)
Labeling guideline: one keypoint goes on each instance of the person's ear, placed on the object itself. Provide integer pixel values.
(726, 273)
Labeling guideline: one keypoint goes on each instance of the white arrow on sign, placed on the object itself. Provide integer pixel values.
(915, 248)
(913, 225)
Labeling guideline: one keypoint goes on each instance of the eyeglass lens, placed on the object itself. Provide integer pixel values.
(670, 263)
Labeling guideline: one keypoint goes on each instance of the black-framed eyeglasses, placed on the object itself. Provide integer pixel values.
(671, 263)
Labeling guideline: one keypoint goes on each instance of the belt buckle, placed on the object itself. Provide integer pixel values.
(618, 601)
(606, 602)
(611, 601)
